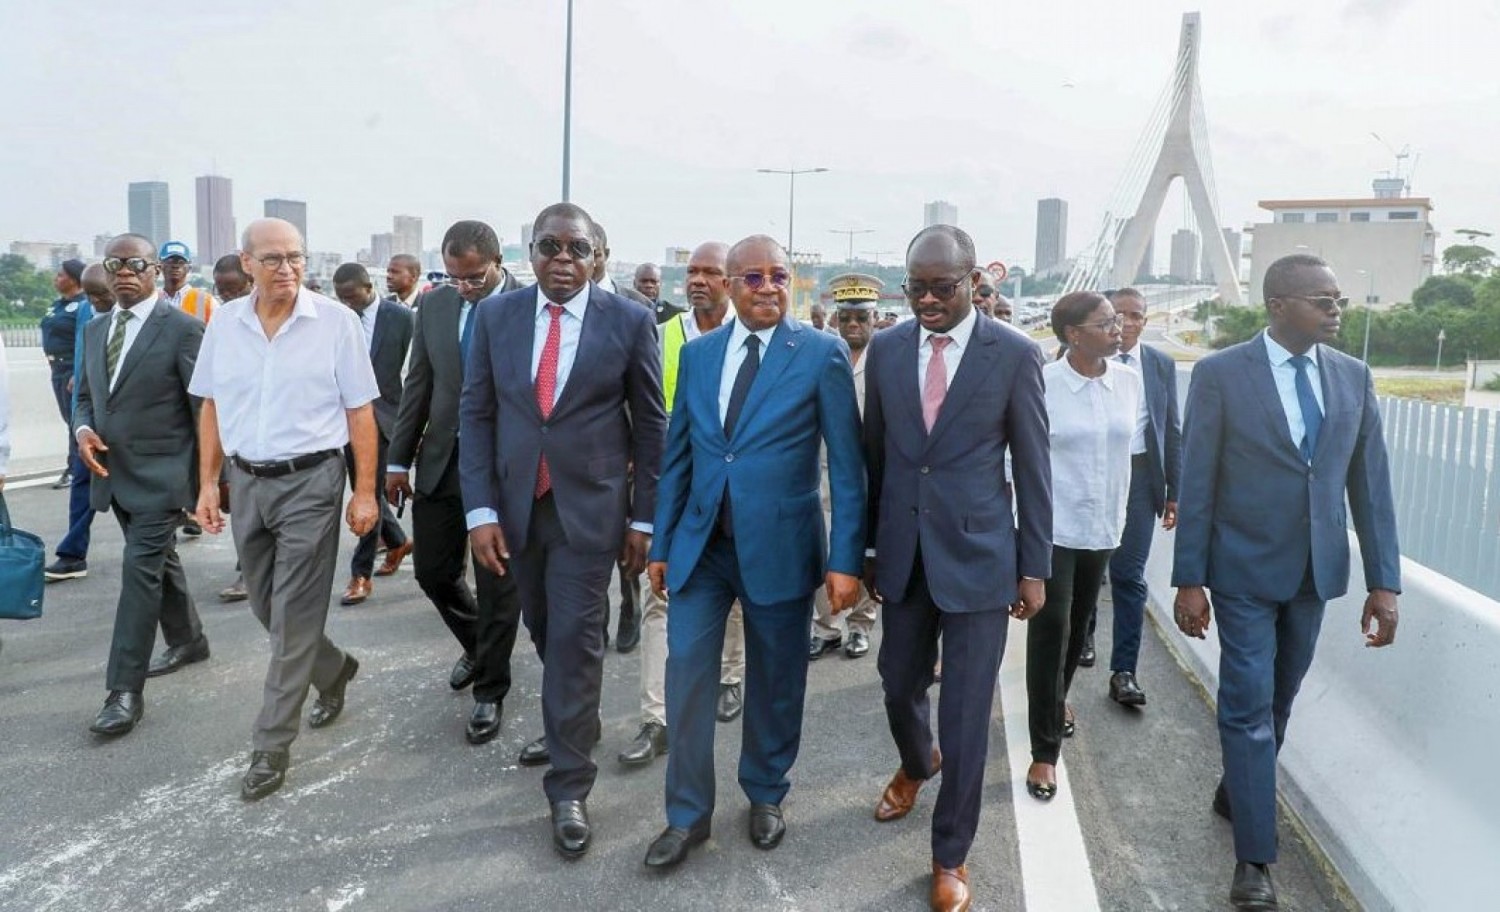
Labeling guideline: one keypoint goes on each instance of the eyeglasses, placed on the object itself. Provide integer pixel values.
(1322, 302)
(984, 292)
(578, 248)
(756, 280)
(470, 281)
(274, 261)
(137, 265)
(1114, 322)
(943, 291)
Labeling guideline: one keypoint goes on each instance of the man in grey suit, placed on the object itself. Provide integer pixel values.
(1277, 432)
(561, 410)
(387, 327)
(483, 621)
(134, 423)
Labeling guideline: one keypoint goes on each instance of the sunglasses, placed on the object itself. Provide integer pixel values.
(984, 293)
(1323, 303)
(137, 265)
(755, 281)
(943, 291)
(578, 248)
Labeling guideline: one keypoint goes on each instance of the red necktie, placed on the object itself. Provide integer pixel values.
(546, 387)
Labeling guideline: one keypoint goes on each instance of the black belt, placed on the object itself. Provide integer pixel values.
(59, 359)
(276, 468)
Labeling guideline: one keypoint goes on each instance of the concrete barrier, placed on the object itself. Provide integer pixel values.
(1392, 757)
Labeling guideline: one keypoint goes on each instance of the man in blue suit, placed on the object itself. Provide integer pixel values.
(1155, 473)
(561, 403)
(739, 516)
(1278, 430)
(946, 396)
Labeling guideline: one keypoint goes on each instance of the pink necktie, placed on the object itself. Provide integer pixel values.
(935, 384)
(546, 387)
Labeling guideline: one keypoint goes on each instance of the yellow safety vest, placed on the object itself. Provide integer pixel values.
(673, 338)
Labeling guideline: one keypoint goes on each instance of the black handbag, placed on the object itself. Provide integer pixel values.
(22, 556)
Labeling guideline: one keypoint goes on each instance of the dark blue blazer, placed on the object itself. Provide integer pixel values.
(803, 394)
(1252, 512)
(607, 421)
(1164, 440)
(946, 491)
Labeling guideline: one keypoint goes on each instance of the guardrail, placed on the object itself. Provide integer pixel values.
(21, 336)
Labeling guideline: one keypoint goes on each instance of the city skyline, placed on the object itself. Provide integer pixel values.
(1268, 71)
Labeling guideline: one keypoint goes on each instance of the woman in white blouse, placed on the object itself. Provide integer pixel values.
(1094, 404)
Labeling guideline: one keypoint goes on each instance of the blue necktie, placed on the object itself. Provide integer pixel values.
(1124, 358)
(1312, 416)
(467, 335)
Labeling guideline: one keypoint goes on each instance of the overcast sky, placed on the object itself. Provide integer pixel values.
(453, 109)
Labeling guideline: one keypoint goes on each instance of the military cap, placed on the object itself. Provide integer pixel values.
(855, 291)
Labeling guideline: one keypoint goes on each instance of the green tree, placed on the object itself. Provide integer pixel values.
(1469, 259)
(1445, 291)
(21, 282)
(1237, 324)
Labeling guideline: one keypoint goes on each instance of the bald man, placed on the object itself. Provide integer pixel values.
(286, 383)
(648, 283)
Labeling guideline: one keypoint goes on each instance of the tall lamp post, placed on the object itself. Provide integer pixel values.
(850, 233)
(1369, 311)
(568, 108)
(791, 205)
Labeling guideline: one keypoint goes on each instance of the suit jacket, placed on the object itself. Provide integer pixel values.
(1164, 434)
(803, 394)
(388, 348)
(1253, 515)
(665, 310)
(148, 421)
(945, 491)
(606, 429)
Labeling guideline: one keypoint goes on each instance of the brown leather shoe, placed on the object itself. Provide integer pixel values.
(950, 888)
(358, 591)
(901, 795)
(393, 559)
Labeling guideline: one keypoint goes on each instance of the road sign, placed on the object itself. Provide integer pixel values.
(998, 268)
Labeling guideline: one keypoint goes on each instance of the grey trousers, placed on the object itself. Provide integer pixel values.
(153, 589)
(287, 533)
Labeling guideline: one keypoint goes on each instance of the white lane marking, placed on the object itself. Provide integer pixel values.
(1055, 872)
(47, 479)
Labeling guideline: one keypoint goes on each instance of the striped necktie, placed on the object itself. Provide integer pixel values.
(116, 344)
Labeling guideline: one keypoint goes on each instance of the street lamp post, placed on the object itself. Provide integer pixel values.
(791, 204)
(1442, 334)
(1369, 312)
(568, 107)
(850, 233)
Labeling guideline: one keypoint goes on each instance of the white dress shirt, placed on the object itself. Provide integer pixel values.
(139, 314)
(1285, 376)
(734, 356)
(1143, 420)
(288, 395)
(1092, 420)
(952, 355)
(4, 412)
(574, 310)
(367, 318)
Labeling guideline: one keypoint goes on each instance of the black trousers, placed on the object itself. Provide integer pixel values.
(153, 589)
(1054, 641)
(388, 529)
(486, 626)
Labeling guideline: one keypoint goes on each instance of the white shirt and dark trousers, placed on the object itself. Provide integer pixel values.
(1093, 423)
(282, 407)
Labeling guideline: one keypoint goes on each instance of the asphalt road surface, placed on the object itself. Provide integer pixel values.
(390, 809)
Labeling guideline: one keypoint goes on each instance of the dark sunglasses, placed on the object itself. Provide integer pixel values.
(578, 248)
(985, 293)
(137, 265)
(943, 291)
(755, 281)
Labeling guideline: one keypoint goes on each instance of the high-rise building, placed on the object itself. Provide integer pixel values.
(406, 235)
(294, 211)
(215, 218)
(1184, 262)
(1231, 241)
(150, 214)
(939, 212)
(1051, 235)
(381, 247)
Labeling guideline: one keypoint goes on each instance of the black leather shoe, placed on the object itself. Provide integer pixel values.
(731, 701)
(628, 636)
(858, 646)
(330, 703)
(121, 710)
(178, 656)
(650, 742)
(1124, 690)
(1221, 802)
(818, 647)
(670, 848)
(535, 753)
(766, 826)
(570, 828)
(484, 722)
(1252, 889)
(463, 672)
(267, 772)
(1088, 656)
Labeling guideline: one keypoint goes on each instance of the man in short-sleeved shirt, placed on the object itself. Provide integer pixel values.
(286, 383)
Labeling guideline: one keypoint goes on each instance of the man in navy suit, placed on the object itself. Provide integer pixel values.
(946, 396)
(739, 516)
(1278, 430)
(1155, 473)
(562, 400)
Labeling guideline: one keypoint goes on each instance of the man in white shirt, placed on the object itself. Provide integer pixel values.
(286, 382)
